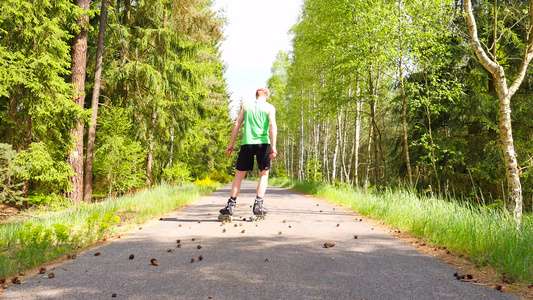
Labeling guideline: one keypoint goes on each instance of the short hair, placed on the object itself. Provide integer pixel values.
(261, 92)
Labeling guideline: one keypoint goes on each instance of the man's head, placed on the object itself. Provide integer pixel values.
(262, 92)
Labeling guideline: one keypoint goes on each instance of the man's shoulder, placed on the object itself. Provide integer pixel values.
(270, 106)
(272, 109)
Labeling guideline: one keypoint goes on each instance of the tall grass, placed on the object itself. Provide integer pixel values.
(487, 236)
(33, 241)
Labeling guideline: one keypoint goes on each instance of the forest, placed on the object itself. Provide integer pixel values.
(430, 96)
(108, 97)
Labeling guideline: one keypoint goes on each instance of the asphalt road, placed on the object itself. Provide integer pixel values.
(282, 257)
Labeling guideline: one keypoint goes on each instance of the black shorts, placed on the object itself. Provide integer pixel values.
(245, 160)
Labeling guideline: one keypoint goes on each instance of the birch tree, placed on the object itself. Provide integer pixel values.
(505, 93)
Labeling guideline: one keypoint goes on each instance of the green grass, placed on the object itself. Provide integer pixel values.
(486, 236)
(44, 237)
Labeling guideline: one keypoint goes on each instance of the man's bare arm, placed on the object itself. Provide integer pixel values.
(235, 131)
(273, 131)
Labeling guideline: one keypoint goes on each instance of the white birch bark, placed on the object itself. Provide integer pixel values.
(325, 162)
(301, 158)
(336, 151)
(343, 147)
(316, 129)
(505, 94)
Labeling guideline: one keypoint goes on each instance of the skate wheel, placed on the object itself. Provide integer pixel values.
(257, 218)
(225, 218)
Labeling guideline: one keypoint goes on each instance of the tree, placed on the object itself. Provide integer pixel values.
(505, 93)
(118, 166)
(88, 180)
(35, 97)
(402, 93)
(79, 65)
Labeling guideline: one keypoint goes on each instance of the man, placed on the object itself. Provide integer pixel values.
(259, 140)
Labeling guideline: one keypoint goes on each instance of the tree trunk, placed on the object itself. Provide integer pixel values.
(12, 117)
(88, 180)
(345, 169)
(504, 96)
(171, 147)
(373, 123)
(404, 101)
(369, 155)
(301, 159)
(316, 140)
(432, 147)
(28, 140)
(325, 158)
(336, 151)
(127, 13)
(491, 81)
(286, 149)
(79, 64)
(316, 149)
(359, 112)
(150, 157)
(506, 135)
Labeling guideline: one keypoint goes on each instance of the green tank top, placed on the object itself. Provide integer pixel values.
(256, 124)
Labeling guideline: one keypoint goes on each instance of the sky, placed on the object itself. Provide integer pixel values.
(256, 31)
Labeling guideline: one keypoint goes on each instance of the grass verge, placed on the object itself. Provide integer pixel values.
(42, 238)
(487, 236)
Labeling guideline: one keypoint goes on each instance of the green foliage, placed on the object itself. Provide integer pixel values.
(40, 167)
(10, 189)
(340, 98)
(99, 226)
(52, 201)
(174, 86)
(179, 173)
(162, 67)
(35, 96)
(313, 171)
(36, 244)
(36, 110)
(118, 163)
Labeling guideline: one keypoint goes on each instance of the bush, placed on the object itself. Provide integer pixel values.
(53, 201)
(205, 182)
(220, 177)
(179, 173)
(47, 174)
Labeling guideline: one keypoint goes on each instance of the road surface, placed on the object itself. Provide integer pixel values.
(282, 257)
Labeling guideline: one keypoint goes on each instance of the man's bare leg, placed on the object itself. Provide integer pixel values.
(258, 209)
(262, 185)
(236, 186)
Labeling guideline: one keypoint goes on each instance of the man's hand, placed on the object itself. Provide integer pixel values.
(273, 153)
(229, 150)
